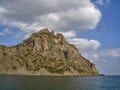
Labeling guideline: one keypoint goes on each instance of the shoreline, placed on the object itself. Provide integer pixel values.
(44, 72)
(45, 75)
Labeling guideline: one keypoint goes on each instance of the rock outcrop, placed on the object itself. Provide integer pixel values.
(44, 53)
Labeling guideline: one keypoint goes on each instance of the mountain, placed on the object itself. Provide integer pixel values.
(44, 53)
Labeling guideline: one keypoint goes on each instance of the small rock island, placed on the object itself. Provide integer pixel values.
(44, 53)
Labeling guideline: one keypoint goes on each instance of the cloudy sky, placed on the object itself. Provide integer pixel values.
(92, 25)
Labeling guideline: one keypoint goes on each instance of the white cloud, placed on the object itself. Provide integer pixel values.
(63, 16)
(80, 19)
(2, 10)
(7, 31)
(1, 34)
(85, 45)
(69, 34)
(100, 2)
(10, 33)
(110, 53)
(88, 48)
(104, 61)
(67, 17)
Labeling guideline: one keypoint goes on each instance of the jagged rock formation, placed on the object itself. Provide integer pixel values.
(44, 53)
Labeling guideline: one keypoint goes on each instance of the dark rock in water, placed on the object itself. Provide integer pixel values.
(44, 53)
(101, 74)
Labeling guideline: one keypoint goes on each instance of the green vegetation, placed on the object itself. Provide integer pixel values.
(35, 63)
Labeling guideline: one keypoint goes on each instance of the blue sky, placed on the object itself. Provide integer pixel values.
(108, 30)
(92, 25)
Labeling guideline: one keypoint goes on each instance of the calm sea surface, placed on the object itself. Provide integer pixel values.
(59, 83)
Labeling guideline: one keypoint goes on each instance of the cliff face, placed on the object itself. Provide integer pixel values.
(44, 53)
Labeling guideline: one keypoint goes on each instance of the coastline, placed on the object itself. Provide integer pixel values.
(50, 75)
(44, 72)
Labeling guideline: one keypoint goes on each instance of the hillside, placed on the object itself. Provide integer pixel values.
(44, 53)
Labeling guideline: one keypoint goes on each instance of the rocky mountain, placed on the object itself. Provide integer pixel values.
(44, 53)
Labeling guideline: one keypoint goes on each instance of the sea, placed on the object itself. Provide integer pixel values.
(17, 82)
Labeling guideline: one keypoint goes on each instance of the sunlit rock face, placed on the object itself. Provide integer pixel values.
(44, 53)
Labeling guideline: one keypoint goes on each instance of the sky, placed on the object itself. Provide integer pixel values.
(92, 25)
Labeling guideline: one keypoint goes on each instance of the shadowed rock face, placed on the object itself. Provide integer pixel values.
(44, 53)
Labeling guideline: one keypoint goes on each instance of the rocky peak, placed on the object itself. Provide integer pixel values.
(43, 31)
(46, 32)
(49, 51)
(60, 37)
(44, 39)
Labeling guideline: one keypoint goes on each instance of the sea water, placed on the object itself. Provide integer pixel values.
(12, 82)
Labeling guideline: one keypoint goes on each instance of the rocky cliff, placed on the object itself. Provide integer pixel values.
(44, 53)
